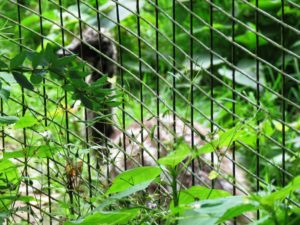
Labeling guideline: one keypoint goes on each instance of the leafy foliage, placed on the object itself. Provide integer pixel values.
(258, 127)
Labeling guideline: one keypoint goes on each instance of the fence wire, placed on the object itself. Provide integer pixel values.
(180, 74)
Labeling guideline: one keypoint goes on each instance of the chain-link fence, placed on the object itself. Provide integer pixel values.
(160, 76)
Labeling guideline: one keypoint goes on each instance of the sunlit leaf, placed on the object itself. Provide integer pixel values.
(26, 121)
(109, 217)
(177, 156)
(216, 211)
(4, 94)
(6, 120)
(247, 67)
(9, 177)
(213, 175)
(279, 126)
(133, 177)
(280, 194)
(197, 193)
(42, 151)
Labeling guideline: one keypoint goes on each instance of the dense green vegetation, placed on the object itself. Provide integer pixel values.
(37, 86)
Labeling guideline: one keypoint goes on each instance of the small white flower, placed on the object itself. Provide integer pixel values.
(151, 205)
(46, 135)
(196, 206)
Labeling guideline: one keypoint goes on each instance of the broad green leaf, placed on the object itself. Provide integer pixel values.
(216, 211)
(267, 128)
(85, 100)
(248, 136)
(177, 156)
(64, 61)
(225, 140)
(17, 198)
(133, 177)
(279, 126)
(7, 77)
(3, 64)
(237, 211)
(49, 55)
(18, 60)
(32, 20)
(198, 193)
(249, 38)
(193, 218)
(37, 59)
(6, 120)
(280, 194)
(229, 136)
(42, 151)
(247, 67)
(107, 218)
(202, 62)
(268, 4)
(129, 191)
(9, 178)
(37, 76)
(266, 220)
(26, 121)
(207, 148)
(4, 94)
(22, 80)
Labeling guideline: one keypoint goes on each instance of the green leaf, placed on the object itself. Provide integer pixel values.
(225, 140)
(18, 60)
(105, 218)
(216, 211)
(9, 178)
(248, 136)
(197, 193)
(280, 194)
(202, 61)
(268, 4)
(6, 120)
(42, 151)
(207, 148)
(85, 101)
(37, 59)
(17, 198)
(279, 126)
(133, 177)
(3, 64)
(26, 121)
(237, 211)
(64, 61)
(37, 76)
(249, 39)
(129, 191)
(247, 67)
(22, 80)
(266, 220)
(267, 128)
(49, 55)
(4, 94)
(177, 156)
(229, 136)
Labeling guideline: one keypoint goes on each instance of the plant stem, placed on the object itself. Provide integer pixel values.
(174, 190)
